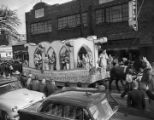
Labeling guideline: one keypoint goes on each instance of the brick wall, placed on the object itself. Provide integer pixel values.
(121, 29)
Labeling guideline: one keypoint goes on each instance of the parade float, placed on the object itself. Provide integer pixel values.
(72, 60)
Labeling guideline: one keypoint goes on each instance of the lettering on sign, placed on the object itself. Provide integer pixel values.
(133, 14)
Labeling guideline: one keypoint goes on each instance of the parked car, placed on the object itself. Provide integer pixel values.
(13, 97)
(75, 104)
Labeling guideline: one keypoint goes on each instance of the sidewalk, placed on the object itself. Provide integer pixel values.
(130, 114)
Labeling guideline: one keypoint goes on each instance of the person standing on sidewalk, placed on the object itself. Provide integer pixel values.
(136, 98)
(128, 84)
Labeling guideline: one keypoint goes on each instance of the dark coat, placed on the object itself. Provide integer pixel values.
(136, 99)
(119, 72)
(150, 94)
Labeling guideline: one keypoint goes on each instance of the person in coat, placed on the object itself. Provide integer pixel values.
(136, 98)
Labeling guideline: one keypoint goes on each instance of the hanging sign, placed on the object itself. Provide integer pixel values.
(133, 15)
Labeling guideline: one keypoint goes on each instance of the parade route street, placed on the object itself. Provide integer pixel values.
(130, 114)
(122, 116)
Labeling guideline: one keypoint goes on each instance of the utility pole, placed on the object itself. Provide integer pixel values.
(81, 20)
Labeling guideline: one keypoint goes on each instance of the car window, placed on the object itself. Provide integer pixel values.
(86, 115)
(70, 112)
(65, 111)
(101, 111)
(76, 113)
(53, 109)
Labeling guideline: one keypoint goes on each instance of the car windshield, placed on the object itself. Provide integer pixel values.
(101, 111)
(10, 87)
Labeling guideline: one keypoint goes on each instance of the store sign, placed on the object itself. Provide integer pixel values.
(133, 15)
(39, 13)
(104, 1)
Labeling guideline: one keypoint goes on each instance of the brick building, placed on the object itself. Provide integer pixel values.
(108, 18)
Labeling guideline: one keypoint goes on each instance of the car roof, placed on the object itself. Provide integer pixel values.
(77, 98)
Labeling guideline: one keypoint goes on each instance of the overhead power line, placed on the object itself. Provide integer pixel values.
(140, 8)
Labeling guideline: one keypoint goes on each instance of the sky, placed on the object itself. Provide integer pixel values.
(22, 6)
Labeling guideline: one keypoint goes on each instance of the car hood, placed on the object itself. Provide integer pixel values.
(21, 98)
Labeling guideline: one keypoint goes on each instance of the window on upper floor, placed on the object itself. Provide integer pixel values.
(117, 13)
(41, 27)
(100, 18)
(39, 13)
(85, 19)
(72, 21)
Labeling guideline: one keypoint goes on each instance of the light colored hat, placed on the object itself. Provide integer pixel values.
(30, 75)
(43, 81)
(17, 72)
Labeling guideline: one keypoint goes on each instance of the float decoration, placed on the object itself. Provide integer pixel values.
(64, 57)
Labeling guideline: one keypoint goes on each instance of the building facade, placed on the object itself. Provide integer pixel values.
(6, 52)
(127, 26)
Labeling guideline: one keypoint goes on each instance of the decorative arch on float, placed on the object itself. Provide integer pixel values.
(84, 49)
(38, 62)
(64, 57)
(52, 58)
(82, 52)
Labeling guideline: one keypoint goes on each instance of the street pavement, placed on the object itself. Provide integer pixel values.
(122, 116)
(125, 113)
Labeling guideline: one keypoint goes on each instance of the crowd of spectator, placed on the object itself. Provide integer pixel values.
(10, 67)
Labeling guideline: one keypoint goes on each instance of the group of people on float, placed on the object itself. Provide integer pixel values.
(85, 61)
(50, 61)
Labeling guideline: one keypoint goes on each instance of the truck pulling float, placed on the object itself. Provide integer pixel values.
(65, 61)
